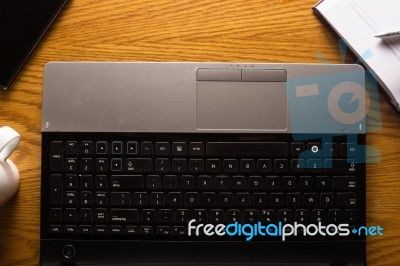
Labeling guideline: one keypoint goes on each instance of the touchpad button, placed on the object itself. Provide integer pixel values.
(241, 105)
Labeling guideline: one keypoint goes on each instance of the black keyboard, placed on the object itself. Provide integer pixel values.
(149, 186)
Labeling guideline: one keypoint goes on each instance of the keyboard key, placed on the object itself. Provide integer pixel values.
(335, 216)
(127, 182)
(191, 199)
(264, 166)
(174, 199)
(179, 231)
(340, 166)
(70, 215)
(85, 230)
(230, 165)
(286, 216)
(260, 199)
(71, 182)
(146, 148)
(319, 216)
(86, 148)
(315, 149)
(157, 199)
(216, 216)
(306, 183)
(221, 182)
(148, 216)
(213, 166)
(196, 149)
(349, 150)
(298, 166)
(233, 216)
(289, 183)
(277, 199)
(268, 216)
(101, 147)
(116, 147)
(293, 199)
(179, 165)
(71, 148)
(310, 199)
(70, 229)
(100, 215)
(327, 199)
(120, 199)
(86, 165)
(351, 216)
(314, 166)
(196, 165)
(183, 216)
(247, 166)
(251, 216)
(71, 198)
(346, 199)
(165, 216)
(101, 165)
(256, 183)
(296, 148)
(281, 165)
(179, 149)
(331, 149)
(170, 182)
(164, 231)
(124, 216)
(85, 182)
(162, 148)
(131, 147)
(116, 164)
(71, 164)
(344, 183)
(239, 182)
(131, 230)
(116, 230)
(247, 149)
(56, 190)
(140, 199)
(200, 215)
(302, 216)
(100, 230)
(101, 182)
(55, 215)
(273, 183)
(243, 200)
(101, 198)
(225, 199)
(85, 215)
(139, 165)
(161, 165)
(208, 199)
(204, 182)
(323, 183)
(56, 156)
(153, 182)
(187, 182)
(85, 198)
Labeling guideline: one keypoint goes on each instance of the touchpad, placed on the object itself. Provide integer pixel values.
(230, 105)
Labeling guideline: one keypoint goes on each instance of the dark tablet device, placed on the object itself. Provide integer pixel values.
(23, 23)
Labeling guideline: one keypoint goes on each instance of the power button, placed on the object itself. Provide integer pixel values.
(68, 251)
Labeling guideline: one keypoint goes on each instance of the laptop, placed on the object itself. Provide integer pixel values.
(202, 164)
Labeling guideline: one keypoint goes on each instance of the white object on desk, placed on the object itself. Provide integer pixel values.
(358, 22)
(9, 175)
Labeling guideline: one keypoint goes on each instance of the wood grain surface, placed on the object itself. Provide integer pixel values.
(185, 30)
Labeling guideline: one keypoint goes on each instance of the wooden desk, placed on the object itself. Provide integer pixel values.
(186, 30)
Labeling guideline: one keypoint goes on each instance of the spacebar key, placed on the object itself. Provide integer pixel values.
(247, 149)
